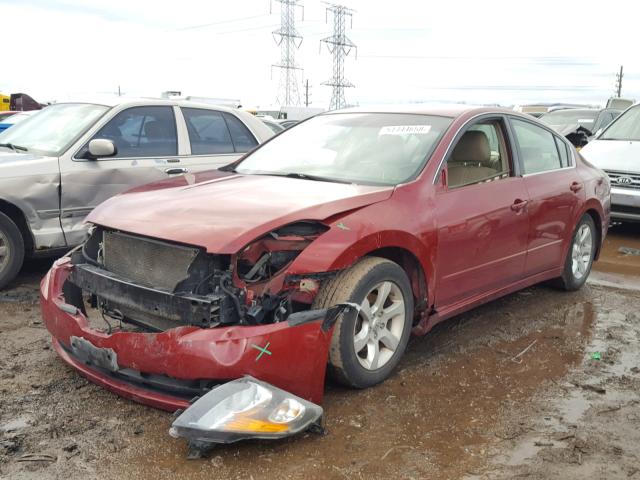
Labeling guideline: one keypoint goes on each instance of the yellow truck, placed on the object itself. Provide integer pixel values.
(5, 101)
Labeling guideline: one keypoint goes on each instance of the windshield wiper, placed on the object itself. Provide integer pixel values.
(13, 147)
(306, 176)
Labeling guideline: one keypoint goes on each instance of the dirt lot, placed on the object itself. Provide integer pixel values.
(540, 384)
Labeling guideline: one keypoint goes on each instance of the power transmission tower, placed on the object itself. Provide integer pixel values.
(339, 46)
(619, 82)
(289, 40)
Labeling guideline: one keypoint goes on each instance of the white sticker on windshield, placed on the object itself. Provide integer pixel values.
(585, 120)
(405, 130)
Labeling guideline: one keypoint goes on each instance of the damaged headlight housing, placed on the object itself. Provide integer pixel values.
(268, 255)
(245, 408)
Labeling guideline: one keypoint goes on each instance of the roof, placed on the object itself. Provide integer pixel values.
(114, 100)
(441, 109)
(576, 110)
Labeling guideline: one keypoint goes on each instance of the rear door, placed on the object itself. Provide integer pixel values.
(555, 192)
(214, 138)
(481, 215)
(146, 140)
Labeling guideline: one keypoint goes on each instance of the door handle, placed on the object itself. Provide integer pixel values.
(575, 187)
(175, 171)
(518, 205)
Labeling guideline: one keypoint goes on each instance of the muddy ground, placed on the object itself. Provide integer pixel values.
(540, 384)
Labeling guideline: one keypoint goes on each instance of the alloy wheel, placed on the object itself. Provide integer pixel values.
(582, 251)
(379, 326)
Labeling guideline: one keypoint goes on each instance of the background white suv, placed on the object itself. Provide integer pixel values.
(617, 151)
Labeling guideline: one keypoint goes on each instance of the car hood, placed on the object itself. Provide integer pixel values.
(618, 155)
(14, 164)
(223, 212)
(567, 128)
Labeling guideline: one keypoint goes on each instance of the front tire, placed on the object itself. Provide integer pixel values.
(11, 250)
(367, 345)
(579, 261)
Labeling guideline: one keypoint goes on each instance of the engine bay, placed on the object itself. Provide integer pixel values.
(156, 285)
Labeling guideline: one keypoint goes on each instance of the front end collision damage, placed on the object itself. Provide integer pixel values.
(226, 323)
(224, 317)
(166, 369)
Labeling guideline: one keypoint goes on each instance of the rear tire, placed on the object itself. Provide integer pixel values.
(11, 250)
(366, 346)
(580, 255)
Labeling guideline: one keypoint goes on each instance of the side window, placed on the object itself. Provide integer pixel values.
(564, 152)
(208, 132)
(480, 155)
(537, 147)
(142, 132)
(243, 140)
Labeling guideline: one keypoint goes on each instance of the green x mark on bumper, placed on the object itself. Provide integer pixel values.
(262, 350)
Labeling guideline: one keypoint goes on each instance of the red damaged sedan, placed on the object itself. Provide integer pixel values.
(326, 246)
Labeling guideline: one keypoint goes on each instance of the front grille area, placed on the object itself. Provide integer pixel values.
(624, 180)
(147, 262)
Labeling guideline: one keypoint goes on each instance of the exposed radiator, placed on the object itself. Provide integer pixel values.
(147, 262)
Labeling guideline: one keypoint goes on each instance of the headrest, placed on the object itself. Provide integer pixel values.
(473, 147)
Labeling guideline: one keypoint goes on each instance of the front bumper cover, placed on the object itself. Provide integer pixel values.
(291, 355)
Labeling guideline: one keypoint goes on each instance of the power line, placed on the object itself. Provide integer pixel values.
(289, 40)
(339, 46)
(222, 22)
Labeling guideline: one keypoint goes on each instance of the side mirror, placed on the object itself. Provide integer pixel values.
(100, 147)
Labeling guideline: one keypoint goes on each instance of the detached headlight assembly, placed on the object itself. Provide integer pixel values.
(242, 409)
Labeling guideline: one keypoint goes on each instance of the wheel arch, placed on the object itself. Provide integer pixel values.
(18, 217)
(413, 268)
(597, 220)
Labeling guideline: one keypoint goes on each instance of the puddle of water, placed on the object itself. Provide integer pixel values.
(612, 259)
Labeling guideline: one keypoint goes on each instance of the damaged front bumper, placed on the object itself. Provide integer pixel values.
(168, 369)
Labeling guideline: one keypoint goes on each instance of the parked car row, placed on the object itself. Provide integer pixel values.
(580, 125)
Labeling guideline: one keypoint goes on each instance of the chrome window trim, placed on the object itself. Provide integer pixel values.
(525, 175)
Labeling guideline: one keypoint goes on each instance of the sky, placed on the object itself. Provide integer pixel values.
(490, 52)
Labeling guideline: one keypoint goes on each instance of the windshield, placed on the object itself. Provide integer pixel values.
(367, 148)
(50, 131)
(13, 119)
(625, 127)
(584, 118)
